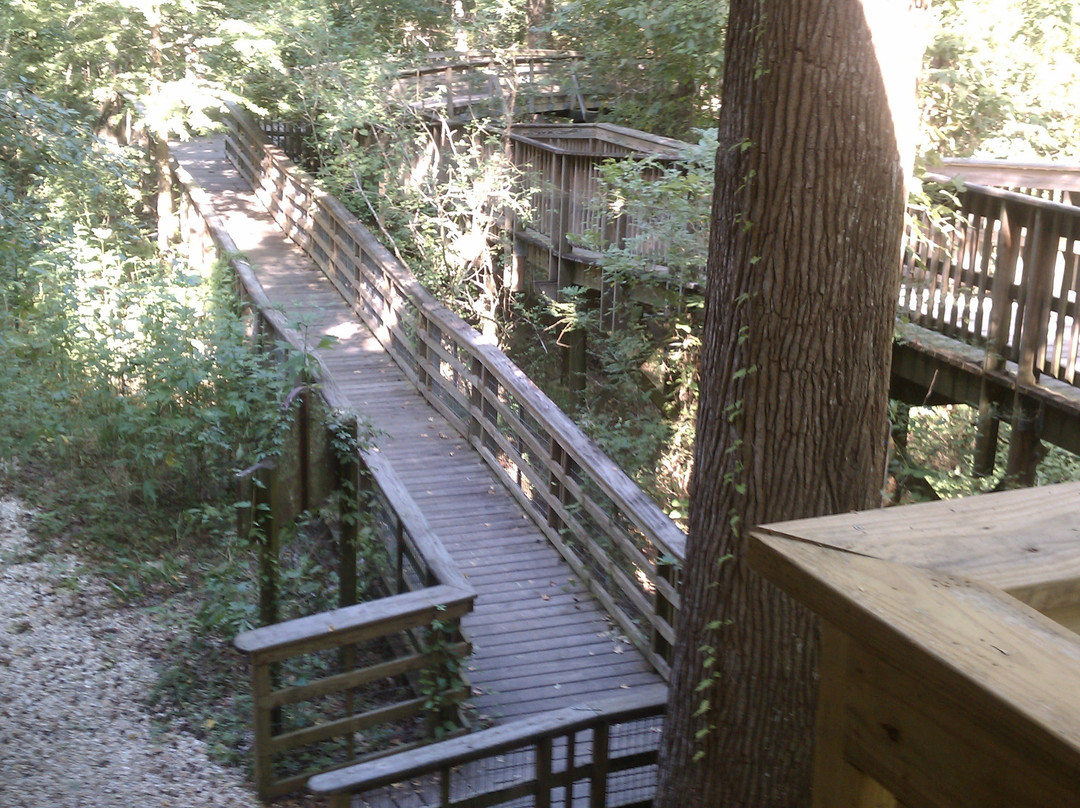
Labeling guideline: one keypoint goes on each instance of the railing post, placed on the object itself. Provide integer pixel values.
(263, 727)
(399, 556)
(1008, 253)
(422, 353)
(303, 441)
(265, 529)
(544, 782)
(555, 486)
(598, 778)
(349, 517)
(560, 240)
(1038, 287)
(476, 399)
(665, 611)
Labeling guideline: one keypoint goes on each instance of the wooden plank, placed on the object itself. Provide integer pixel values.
(351, 679)
(1024, 544)
(345, 726)
(1011, 668)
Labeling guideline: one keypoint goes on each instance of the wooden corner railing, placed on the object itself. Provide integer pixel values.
(940, 683)
(602, 753)
(1007, 278)
(414, 633)
(616, 539)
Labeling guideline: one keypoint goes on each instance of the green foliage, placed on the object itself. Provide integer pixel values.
(661, 59)
(1001, 78)
(441, 683)
(938, 460)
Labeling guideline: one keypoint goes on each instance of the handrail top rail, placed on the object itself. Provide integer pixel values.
(415, 605)
(440, 60)
(632, 139)
(638, 703)
(1043, 175)
(1013, 197)
(585, 452)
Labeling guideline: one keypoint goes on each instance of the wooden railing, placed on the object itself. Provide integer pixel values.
(1053, 181)
(1007, 278)
(559, 167)
(596, 754)
(613, 536)
(949, 664)
(413, 635)
(464, 86)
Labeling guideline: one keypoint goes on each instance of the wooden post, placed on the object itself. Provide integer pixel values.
(598, 780)
(986, 434)
(263, 728)
(544, 782)
(555, 486)
(1025, 446)
(349, 517)
(266, 532)
(836, 783)
(1008, 253)
(1038, 286)
(399, 556)
(664, 609)
(303, 440)
(422, 352)
(574, 362)
(476, 401)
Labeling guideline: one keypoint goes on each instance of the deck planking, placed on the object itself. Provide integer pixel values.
(540, 641)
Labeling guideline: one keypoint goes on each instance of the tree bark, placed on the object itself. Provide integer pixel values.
(802, 283)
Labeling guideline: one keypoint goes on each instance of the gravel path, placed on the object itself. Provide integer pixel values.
(75, 731)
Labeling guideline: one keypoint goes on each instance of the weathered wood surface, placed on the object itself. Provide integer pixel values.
(940, 681)
(1010, 174)
(573, 491)
(481, 526)
(1025, 542)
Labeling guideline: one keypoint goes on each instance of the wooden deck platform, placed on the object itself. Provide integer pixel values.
(540, 640)
(950, 662)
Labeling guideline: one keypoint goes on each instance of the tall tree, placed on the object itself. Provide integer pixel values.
(802, 280)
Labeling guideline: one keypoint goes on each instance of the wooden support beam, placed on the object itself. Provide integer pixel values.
(986, 434)
(1025, 445)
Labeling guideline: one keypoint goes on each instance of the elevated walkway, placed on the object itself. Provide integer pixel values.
(540, 641)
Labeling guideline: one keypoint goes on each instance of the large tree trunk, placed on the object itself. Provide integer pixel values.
(803, 273)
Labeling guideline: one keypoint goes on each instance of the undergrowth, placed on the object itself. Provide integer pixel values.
(129, 398)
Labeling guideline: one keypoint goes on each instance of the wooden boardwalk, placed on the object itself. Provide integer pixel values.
(540, 640)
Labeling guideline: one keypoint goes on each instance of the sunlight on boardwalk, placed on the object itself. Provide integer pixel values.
(540, 641)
